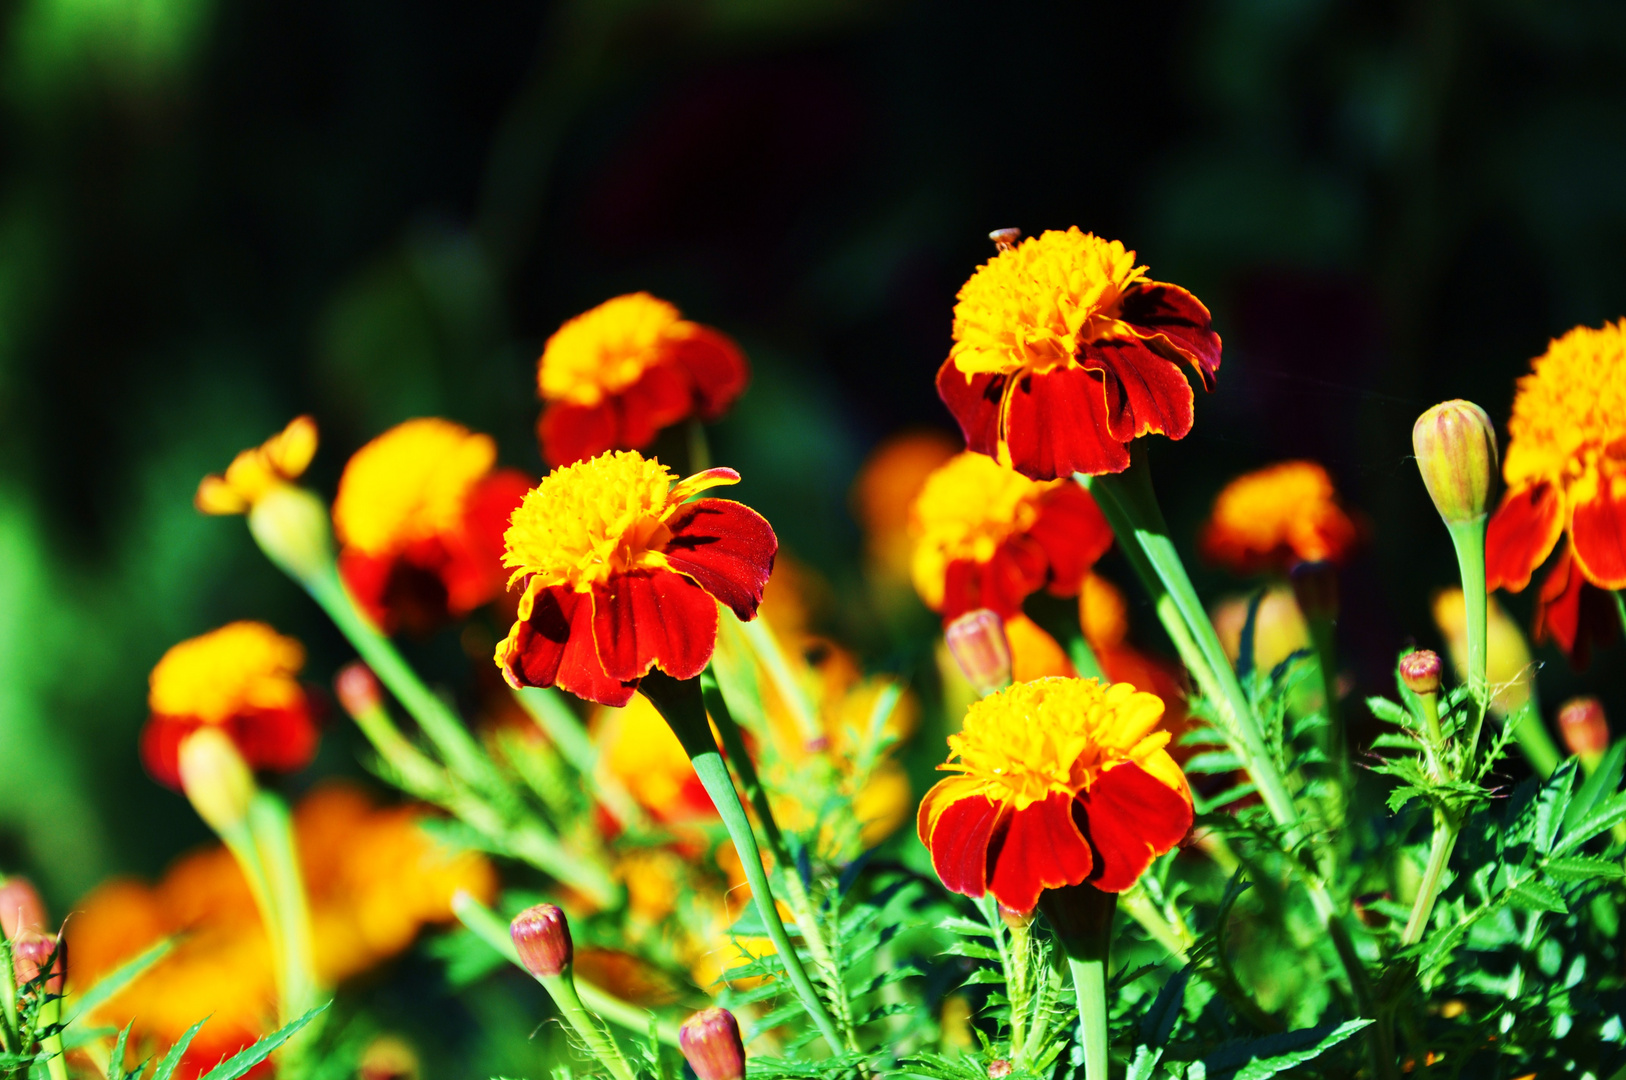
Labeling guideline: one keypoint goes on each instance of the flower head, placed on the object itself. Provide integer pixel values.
(988, 537)
(420, 514)
(241, 678)
(1276, 517)
(1456, 453)
(1061, 781)
(281, 459)
(1065, 351)
(615, 376)
(622, 573)
(885, 489)
(1566, 474)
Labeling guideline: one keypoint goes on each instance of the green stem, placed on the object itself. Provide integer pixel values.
(1440, 847)
(1326, 658)
(565, 731)
(1434, 738)
(744, 767)
(1620, 606)
(1468, 538)
(562, 988)
(274, 840)
(1139, 906)
(1085, 662)
(413, 769)
(1081, 915)
(680, 702)
(1537, 745)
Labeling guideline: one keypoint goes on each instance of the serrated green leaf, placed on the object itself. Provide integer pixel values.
(120, 977)
(984, 976)
(1159, 1021)
(1388, 711)
(956, 925)
(170, 1061)
(1604, 781)
(972, 950)
(1604, 816)
(1537, 896)
(1583, 868)
(1551, 803)
(240, 1063)
(1214, 761)
(1264, 1058)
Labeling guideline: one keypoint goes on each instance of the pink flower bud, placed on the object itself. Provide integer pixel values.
(1584, 726)
(999, 1068)
(1420, 671)
(542, 936)
(21, 909)
(711, 1042)
(357, 688)
(1315, 587)
(31, 952)
(977, 640)
(1456, 453)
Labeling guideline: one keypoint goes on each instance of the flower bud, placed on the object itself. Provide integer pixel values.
(999, 1068)
(1315, 587)
(542, 937)
(357, 688)
(32, 952)
(977, 640)
(1584, 727)
(291, 526)
(710, 1040)
(1420, 671)
(216, 778)
(1456, 453)
(21, 909)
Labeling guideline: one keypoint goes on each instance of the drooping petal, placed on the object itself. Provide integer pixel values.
(959, 840)
(1129, 818)
(555, 647)
(1146, 394)
(1572, 613)
(727, 548)
(1017, 569)
(571, 433)
(1056, 424)
(1074, 535)
(1177, 325)
(975, 405)
(717, 368)
(1041, 849)
(1521, 534)
(1598, 533)
(653, 617)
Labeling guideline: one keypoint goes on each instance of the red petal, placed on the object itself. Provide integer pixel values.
(975, 406)
(1042, 849)
(1146, 394)
(1573, 614)
(1130, 817)
(1017, 571)
(716, 367)
(649, 617)
(161, 747)
(366, 579)
(959, 843)
(282, 740)
(1176, 325)
(1056, 425)
(660, 398)
(1521, 534)
(1073, 533)
(727, 548)
(1598, 533)
(472, 569)
(572, 433)
(555, 647)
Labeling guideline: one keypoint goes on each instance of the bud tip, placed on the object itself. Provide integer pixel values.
(710, 1040)
(978, 643)
(542, 936)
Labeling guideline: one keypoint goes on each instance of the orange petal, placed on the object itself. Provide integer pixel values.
(1598, 534)
(1042, 849)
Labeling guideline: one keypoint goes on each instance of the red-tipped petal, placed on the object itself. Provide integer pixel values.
(1074, 535)
(1146, 394)
(716, 367)
(554, 647)
(727, 548)
(571, 433)
(1130, 817)
(1177, 325)
(1571, 613)
(975, 405)
(646, 618)
(1598, 533)
(1521, 534)
(1056, 425)
(959, 843)
(1042, 849)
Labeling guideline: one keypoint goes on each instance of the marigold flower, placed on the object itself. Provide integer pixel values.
(1065, 351)
(1275, 517)
(1062, 781)
(242, 678)
(1565, 475)
(622, 573)
(420, 514)
(281, 459)
(614, 376)
(885, 491)
(988, 537)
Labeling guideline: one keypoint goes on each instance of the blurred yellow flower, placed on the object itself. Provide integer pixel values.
(1508, 665)
(279, 460)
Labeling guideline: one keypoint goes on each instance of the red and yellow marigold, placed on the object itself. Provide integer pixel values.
(281, 459)
(1276, 517)
(622, 573)
(420, 513)
(1566, 476)
(1061, 782)
(613, 377)
(1065, 352)
(242, 678)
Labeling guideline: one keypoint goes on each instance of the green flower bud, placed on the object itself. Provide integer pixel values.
(291, 526)
(1456, 453)
(216, 778)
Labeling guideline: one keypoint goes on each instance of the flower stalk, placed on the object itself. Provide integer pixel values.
(1082, 915)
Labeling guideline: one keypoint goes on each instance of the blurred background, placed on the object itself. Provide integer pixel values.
(215, 214)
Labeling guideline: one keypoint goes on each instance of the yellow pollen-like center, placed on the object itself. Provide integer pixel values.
(968, 506)
(605, 350)
(1569, 415)
(410, 483)
(242, 665)
(1032, 306)
(1053, 735)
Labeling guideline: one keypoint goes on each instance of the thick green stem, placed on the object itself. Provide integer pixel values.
(680, 702)
(274, 838)
(562, 989)
(1081, 915)
(1440, 847)
(1468, 538)
(1324, 639)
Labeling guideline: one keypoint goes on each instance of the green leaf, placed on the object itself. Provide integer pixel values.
(1551, 804)
(120, 977)
(1214, 761)
(1604, 816)
(1603, 782)
(166, 1067)
(1159, 1021)
(1583, 868)
(1537, 896)
(1264, 1058)
(241, 1062)
(956, 925)
(975, 952)
(1386, 710)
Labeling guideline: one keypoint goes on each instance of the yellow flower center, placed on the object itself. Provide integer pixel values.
(1569, 415)
(409, 484)
(1032, 306)
(968, 507)
(1053, 735)
(605, 350)
(240, 666)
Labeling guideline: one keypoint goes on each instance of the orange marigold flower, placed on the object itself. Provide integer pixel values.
(1065, 351)
(1062, 781)
(622, 573)
(1276, 517)
(1566, 474)
(988, 537)
(420, 514)
(886, 487)
(614, 376)
(281, 459)
(242, 677)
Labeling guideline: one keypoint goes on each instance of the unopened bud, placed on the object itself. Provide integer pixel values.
(1456, 453)
(32, 953)
(999, 1068)
(216, 778)
(291, 526)
(542, 936)
(1420, 671)
(357, 688)
(1315, 587)
(710, 1040)
(1584, 726)
(977, 640)
(21, 909)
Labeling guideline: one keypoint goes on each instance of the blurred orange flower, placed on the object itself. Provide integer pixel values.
(637, 747)
(242, 677)
(1276, 517)
(421, 514)
(614, 376)
(885, 490)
